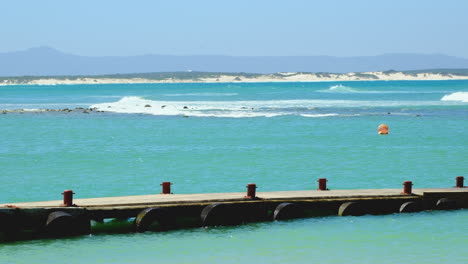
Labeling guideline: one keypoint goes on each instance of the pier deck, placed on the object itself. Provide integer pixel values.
(169, 211)
(174, 199)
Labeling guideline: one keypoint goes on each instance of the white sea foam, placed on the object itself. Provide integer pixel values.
(458, 96)
(319, 115)
(346, 89)
(238, 109)
(201, 94)
(32, 109)
(339, 89)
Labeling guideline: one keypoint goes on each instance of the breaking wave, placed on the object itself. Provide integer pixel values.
(201, 94)
(458, 96)
(339, 89)
(346, 89)
(319, 115)
(240, 109)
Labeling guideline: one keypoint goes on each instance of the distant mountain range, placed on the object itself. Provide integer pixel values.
(46, 61)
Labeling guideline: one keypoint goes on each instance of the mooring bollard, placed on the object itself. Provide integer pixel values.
(68, 197)
(322, 184)
(460, 180)
(407, 187)
(251, 188)
(166, 187)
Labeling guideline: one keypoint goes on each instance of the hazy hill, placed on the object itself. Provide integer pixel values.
(47, 61)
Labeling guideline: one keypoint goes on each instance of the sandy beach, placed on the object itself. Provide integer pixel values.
(227, 78)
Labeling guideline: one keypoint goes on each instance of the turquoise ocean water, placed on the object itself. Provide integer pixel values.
(219, 137)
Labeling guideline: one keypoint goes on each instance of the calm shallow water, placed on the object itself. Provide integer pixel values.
(427, 237)
(279, 136)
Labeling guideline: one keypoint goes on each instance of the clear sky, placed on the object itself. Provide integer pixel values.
(237, 27)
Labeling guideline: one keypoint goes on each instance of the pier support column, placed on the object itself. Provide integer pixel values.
(410, 207)
(446, 204)
(9, 225)
(285, 211)
(220, 214)
(155, 219)
(60, 224)
(352, 209)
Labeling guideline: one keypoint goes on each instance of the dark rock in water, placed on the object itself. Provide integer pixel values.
(85, 112)
(185, 107)
(147, 105)
(162, 106)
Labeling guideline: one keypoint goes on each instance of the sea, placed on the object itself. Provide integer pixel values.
(218, 137)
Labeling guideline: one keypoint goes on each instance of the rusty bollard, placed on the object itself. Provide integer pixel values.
(68, 197)
(251, 189)
(407, 187)
(166, 188)
(322, 184)
(459, 180)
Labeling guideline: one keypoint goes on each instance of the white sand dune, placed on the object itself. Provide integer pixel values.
(279, 77)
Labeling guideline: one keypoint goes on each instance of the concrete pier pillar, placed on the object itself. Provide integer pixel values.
(61, 224)
(410, 207)
(154, 219)
(9, 225)
(446, 204)
(351, 209)
(221, 214)
(285, 211)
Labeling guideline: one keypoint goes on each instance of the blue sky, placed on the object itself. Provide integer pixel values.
(238, 28)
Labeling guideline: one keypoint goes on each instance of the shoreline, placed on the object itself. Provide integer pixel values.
(237, 78)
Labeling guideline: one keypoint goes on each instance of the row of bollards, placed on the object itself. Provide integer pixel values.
(252, 187)
(70, 220)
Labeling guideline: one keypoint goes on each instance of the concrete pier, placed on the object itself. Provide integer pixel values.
(170, 211)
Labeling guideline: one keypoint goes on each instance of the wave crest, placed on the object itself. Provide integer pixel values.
(339, 89)
(458, 96)
(201, 94)
(254, 108)
(232, 109)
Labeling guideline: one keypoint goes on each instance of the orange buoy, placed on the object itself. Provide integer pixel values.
(383, 129)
